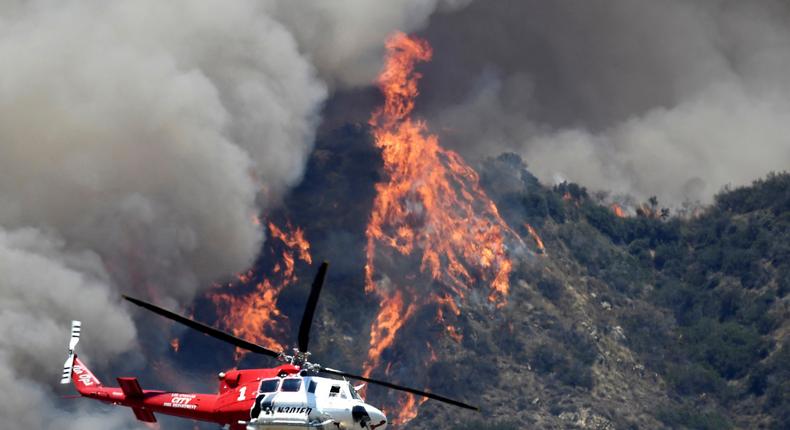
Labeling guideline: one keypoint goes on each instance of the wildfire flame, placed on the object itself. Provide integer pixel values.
(254, 315)
(618, 210)
(534, 235)
(433, 204)
(295, 242)
(389, 320)
(447, 302)
(408, 407)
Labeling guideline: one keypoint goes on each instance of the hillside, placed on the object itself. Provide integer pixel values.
(645, 321)
(654, 320)
(622, 322)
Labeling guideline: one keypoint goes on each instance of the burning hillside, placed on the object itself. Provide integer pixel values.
(430, 210)
(420, 234)
(433, 240)
(248, 307)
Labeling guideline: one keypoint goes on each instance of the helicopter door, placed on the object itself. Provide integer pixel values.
(336, 402)
(288, 406)
(265, 400)
(337, 397)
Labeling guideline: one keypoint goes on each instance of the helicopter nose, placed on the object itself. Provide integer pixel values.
(378, 420)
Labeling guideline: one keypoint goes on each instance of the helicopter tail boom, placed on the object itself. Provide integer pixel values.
(144, 403)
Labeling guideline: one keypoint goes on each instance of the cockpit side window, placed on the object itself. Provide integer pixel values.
(291, 385)
(312, 386)
(269, 385)
(334, 391)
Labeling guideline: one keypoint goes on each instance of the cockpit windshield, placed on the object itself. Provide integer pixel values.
(269, 385)
(291, 384)
(354, 393)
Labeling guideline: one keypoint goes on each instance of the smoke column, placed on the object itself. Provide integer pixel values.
(138, 139)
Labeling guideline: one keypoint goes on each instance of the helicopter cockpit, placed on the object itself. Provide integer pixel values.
(312, 401)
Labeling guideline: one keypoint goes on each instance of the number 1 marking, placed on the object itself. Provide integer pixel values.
(242, 394)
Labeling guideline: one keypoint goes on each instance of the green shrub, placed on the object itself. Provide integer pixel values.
(729, 348)
(547, 359)
(551, 288)
(695, 379)
(689, 417)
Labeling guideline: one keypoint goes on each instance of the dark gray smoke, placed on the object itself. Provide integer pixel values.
(672, 98)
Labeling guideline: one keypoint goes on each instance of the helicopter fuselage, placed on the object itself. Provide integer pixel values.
(279, 398)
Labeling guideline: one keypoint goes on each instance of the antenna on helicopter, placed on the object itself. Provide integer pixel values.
(301, 354)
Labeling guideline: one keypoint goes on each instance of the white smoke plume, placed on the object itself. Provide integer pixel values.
(672, 98)
(138, 139)
(44, 285)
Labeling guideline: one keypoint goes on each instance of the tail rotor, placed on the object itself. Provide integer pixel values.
(68, 366)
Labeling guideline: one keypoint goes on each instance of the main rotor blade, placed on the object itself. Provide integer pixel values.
(205, 329)
(309, 309)
(401, 388)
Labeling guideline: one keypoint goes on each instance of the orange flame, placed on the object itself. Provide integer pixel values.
(295, 242)
(454, 334)
(245, 277)
(408, 407)
(447, 302)
(389, 320)
(618, 210)
(175, 344)
(254, 316)
(536, 238)
(433, 203)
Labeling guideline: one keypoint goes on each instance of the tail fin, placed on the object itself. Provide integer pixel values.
(68, 366)
(74, 369)
(84, 380)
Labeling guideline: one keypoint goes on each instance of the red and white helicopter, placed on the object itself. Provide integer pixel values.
(286, 397)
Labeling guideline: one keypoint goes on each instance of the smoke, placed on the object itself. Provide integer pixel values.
(674, 99)
(345, 38)
(135, 139)
(138, 140)
(44, 285)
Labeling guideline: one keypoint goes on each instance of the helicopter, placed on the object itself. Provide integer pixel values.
(292, 395)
